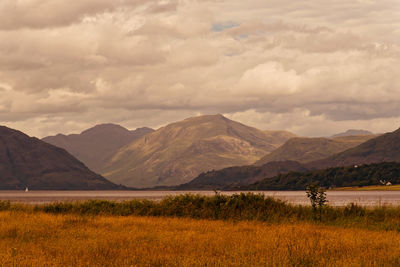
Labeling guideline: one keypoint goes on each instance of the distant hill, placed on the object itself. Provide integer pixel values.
(239, 176)
(363, 175)
(303, 149)
(384, 148)
(27, 161)
(352, 132)
(180, 151)
(97, 145)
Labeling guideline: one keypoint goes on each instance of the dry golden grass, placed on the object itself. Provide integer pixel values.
(38, 239)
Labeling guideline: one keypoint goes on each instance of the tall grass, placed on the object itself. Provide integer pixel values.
(42, 239)
(193, 230)
(244, 206)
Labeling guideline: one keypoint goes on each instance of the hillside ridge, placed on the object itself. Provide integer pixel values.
(29, 162)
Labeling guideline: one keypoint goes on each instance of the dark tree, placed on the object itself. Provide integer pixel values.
(317, 197)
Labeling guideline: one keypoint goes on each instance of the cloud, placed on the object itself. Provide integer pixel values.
(67, 65)
(269, 78)
(38, 14)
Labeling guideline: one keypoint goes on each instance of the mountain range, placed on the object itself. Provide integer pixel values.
(384, 148)
(180, 151)
(205, 152)
(380, 149)
(29, 162)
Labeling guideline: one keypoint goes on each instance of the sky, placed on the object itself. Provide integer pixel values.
(314, 67)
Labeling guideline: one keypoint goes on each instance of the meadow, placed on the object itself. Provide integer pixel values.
(41, 239)
(191, 230)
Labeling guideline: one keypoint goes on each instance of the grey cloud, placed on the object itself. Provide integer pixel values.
(356, 111)
(38, 14)
(260, 27)
(162, 7)
(290, 64)
(41, 14)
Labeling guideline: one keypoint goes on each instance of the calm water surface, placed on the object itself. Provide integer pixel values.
(335, 198)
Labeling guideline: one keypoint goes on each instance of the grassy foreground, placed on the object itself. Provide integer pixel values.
(193, 230)
(40, 239)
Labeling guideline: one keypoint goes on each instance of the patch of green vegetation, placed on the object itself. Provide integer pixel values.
(244, 206)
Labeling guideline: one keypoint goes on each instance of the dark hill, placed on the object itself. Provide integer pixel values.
(238, 176)
(97, 145)
(368, 174)
(27, 161)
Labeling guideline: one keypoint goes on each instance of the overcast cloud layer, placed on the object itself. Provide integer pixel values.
(312, 67)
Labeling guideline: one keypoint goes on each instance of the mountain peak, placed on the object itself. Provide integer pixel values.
(205, 118)
(104, 128)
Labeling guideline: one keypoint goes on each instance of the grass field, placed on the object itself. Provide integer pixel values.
(369, 188)
(39, 239)
(194, 230)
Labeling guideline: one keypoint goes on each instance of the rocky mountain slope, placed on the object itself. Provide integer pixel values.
(27, 161)
(180, 151)
(97, 145)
